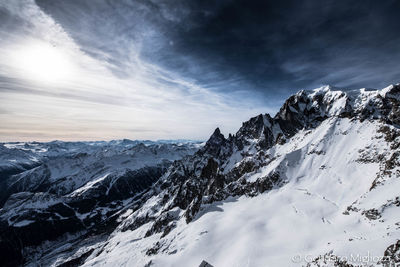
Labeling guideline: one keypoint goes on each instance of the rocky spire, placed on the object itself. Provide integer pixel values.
(217, 138)
(214, 143)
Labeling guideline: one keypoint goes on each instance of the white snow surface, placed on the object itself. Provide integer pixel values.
(290, 225)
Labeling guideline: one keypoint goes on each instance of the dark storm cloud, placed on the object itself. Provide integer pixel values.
(268, 47)
(281, 44)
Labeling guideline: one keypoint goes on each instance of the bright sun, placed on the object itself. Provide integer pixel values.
(44, 62)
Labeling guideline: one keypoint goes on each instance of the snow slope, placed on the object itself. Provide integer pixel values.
(304, 218)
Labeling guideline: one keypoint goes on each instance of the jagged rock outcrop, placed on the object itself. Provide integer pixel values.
(205, 264)
(224, 167)
(212, 174)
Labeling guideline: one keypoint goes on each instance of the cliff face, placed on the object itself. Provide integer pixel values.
(220, 168)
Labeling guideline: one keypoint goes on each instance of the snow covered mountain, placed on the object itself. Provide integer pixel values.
(73, 168)
(315, 185)
(51, 189)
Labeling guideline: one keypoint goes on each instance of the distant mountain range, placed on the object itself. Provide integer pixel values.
(318, 184)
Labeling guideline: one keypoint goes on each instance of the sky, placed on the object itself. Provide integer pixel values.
(170, 69)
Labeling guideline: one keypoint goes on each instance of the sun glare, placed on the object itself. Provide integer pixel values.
(44, 62)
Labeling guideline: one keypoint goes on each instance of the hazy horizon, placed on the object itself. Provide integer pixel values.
(75, 70)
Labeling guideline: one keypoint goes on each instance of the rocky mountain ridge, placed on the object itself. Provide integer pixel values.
(219, 169)
(327, 161)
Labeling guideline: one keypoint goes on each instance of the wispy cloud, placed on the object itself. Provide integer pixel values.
(105, 96)
(169, 69)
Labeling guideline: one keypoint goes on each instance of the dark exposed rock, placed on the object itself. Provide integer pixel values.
(154, 250)
(391, 255)
(214, 143)
(15, 239)
(393, 161)
(77, 261)
(205, 264)
(371, 214)
(329, 259)
(162, 223)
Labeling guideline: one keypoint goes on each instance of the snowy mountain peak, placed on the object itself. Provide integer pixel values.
(392, 91)
(307, 108)
(325, 88)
